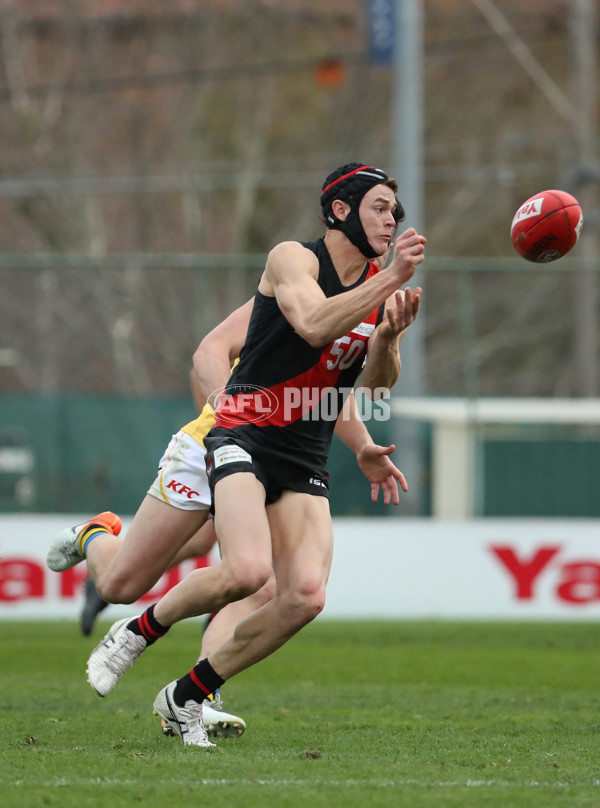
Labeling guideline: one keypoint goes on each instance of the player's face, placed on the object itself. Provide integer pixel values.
(376, 215)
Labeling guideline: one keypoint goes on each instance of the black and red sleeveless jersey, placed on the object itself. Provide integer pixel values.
(284, 394)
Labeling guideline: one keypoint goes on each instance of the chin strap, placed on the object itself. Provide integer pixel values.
(352, 228)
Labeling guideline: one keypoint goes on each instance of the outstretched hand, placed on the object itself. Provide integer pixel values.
(375, 464)
(401, 314)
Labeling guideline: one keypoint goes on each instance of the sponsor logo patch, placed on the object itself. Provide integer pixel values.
(231, 454)
(364, 329)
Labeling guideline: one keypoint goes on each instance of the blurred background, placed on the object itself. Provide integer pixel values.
(152, 154)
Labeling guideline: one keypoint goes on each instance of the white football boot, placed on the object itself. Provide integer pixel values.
(64, 551)
(110, 659)
(217, 722)
(184, 721)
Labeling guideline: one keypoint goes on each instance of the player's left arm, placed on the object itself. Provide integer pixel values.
(373, 460)
(383, 364)
(217, 352)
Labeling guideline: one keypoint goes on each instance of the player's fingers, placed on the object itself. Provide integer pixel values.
(390, 491)
(385, 450)
(410, 235)
(410, 231)
(401, 479)
(396, 320)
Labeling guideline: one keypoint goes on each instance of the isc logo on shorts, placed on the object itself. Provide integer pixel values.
(317, 481)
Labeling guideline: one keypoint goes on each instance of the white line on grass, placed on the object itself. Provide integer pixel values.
(64, 782)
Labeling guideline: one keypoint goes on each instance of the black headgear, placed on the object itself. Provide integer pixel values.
(350, 183)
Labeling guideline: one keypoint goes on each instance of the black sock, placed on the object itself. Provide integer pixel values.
(198, 684)
(147, 626)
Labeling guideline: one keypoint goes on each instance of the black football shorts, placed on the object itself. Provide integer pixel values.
(231, 454)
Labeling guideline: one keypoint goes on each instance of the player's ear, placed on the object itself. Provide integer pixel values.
(340, 209)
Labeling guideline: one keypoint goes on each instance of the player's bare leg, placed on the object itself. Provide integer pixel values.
(302, 550)
(245, 567)
(245, 556)
(223, 624)
(125, 570)
(218, 722)
(201, 544)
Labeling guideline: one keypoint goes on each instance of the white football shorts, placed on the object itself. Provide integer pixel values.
(181, 480)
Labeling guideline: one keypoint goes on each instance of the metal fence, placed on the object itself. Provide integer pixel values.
(95, 353)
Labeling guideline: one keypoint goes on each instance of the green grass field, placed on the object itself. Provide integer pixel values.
(348, 714)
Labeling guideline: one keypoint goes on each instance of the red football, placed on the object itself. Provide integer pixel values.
(547, 226)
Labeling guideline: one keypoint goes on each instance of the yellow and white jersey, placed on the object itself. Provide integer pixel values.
(181, 480)
(201, 426)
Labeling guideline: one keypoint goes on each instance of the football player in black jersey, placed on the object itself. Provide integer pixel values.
(320, 310)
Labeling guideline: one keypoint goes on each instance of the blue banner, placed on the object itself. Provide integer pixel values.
(381, 21)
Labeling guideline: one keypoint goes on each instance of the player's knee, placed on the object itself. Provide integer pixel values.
(245, 580)
(314, 604)
(119, 589)
(304, 603)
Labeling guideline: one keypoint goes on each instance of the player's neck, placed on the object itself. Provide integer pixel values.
(347, 259)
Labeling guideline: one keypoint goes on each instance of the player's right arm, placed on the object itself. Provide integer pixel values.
(291, 276)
